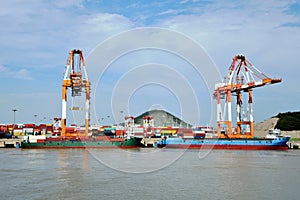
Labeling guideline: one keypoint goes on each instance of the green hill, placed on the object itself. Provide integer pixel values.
(288, 121)
(162, 118)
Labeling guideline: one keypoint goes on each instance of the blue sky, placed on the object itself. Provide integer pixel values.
(36, 36)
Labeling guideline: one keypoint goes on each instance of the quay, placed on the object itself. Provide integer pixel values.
(16, 143)
(293, 145)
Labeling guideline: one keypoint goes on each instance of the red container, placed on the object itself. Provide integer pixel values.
(70, 129)
(117, 139)
(120, 132)
(54, 139)
(101, 138)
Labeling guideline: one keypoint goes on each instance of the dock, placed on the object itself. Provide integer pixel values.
(16, 143)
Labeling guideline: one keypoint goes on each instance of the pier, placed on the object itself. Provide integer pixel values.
(16, 143)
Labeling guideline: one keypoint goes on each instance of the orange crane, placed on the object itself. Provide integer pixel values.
(242, 77)
(75, 77)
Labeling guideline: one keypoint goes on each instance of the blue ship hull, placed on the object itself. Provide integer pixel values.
(279, 143)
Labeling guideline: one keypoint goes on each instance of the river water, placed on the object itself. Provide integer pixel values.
(149, 174)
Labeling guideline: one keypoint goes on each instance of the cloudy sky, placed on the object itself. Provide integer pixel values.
(36, 36)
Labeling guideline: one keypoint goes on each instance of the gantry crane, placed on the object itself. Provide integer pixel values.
(75, 77)
(242, 77)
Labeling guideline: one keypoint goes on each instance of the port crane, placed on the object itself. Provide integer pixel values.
(75, 77)
(242, 77)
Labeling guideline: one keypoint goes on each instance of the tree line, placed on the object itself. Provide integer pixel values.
(288, 121)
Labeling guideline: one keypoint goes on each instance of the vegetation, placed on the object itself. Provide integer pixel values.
(288, 121)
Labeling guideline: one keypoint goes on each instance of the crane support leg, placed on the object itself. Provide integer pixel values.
(251, 121)
(238, 111)
(64, 111)
(228, 95)
(87, 109)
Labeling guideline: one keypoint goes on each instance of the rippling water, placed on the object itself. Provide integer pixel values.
(149, 174)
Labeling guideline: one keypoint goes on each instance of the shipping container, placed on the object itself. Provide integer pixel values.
(120, 132)
(27, 131)
(101, 138)
(35, 138)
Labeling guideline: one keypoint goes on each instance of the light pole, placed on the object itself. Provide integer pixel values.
(122, 118)
(122, 115)
(35, 118)
(108, 119)
(14, 110)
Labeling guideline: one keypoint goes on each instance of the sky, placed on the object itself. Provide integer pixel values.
(37, 35)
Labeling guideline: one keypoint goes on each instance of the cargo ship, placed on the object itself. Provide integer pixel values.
(39, 142)
(273, 141)
(234, 144)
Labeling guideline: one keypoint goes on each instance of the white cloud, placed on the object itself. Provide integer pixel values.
(22, 74)
(254, 28)
(34, 31)
(98, 27)
(107, 23)
(68, 3)
(168, 12)
(184, 1)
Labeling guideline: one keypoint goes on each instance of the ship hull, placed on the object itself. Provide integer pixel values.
(67, 144)
(229, 144)
(225, 147)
